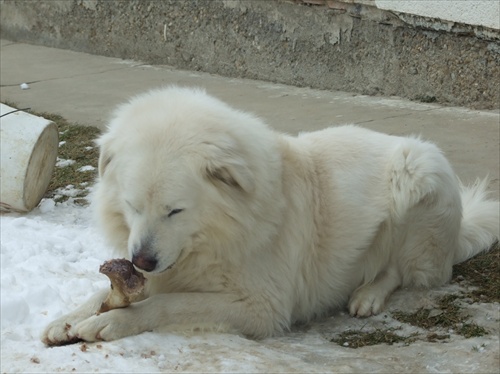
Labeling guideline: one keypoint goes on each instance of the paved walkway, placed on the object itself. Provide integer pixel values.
(84, 88)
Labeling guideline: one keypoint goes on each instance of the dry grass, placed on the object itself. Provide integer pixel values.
(483, 274)
(358, 338)
(78, 146)
(449, 316)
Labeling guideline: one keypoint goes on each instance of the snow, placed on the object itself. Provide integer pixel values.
(49, 265)
(86, 168)
(62, 163)
(69, 191)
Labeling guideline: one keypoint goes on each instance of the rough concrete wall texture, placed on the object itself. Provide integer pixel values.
(339, 46)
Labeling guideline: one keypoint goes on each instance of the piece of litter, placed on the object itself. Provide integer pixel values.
(25, 86)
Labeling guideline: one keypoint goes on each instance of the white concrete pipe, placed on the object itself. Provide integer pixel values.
(28, 152)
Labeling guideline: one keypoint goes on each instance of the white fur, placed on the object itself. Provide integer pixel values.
(274, 229)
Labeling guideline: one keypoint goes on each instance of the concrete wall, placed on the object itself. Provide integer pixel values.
(331, 45)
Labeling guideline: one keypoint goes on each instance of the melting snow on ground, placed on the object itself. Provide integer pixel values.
(86, 168)
(62, 163)
(49, 265)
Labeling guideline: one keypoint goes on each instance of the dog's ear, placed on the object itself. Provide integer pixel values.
(227, 166)
(232, 175)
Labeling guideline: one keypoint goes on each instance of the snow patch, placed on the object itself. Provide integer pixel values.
(62, 163)
(69, 191)
(86, 168)
(46, 205)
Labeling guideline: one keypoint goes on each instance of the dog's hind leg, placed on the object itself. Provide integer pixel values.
(370, 298)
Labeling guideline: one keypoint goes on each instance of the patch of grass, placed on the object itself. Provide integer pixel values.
(358, 338)
(447, 315)
(450, 315)
(483, 273)
(471, 330)
(77, 144)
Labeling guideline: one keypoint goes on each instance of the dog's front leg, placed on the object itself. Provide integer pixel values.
(191, 309)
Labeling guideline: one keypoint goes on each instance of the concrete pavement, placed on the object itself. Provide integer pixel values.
(85, 88)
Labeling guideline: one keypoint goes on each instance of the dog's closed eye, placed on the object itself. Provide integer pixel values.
(174, 211)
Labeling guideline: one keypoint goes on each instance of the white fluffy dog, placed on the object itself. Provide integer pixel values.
(239, 227)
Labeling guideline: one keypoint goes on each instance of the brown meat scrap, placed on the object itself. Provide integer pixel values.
(127, 284)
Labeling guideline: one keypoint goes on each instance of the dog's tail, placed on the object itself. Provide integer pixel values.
(480, 221)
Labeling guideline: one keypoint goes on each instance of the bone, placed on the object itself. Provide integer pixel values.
(127, 284)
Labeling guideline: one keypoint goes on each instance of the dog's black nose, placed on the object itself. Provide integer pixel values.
(144, 262)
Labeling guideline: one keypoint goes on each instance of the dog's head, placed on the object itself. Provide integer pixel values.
(177, 177)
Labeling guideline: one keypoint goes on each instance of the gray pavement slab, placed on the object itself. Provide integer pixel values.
(85, 88)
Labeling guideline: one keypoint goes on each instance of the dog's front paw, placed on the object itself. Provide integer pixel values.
(111, 325)
(61, 331)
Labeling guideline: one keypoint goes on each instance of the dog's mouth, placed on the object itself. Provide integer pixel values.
(180, 258)
(157, 272)
(168, 267)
